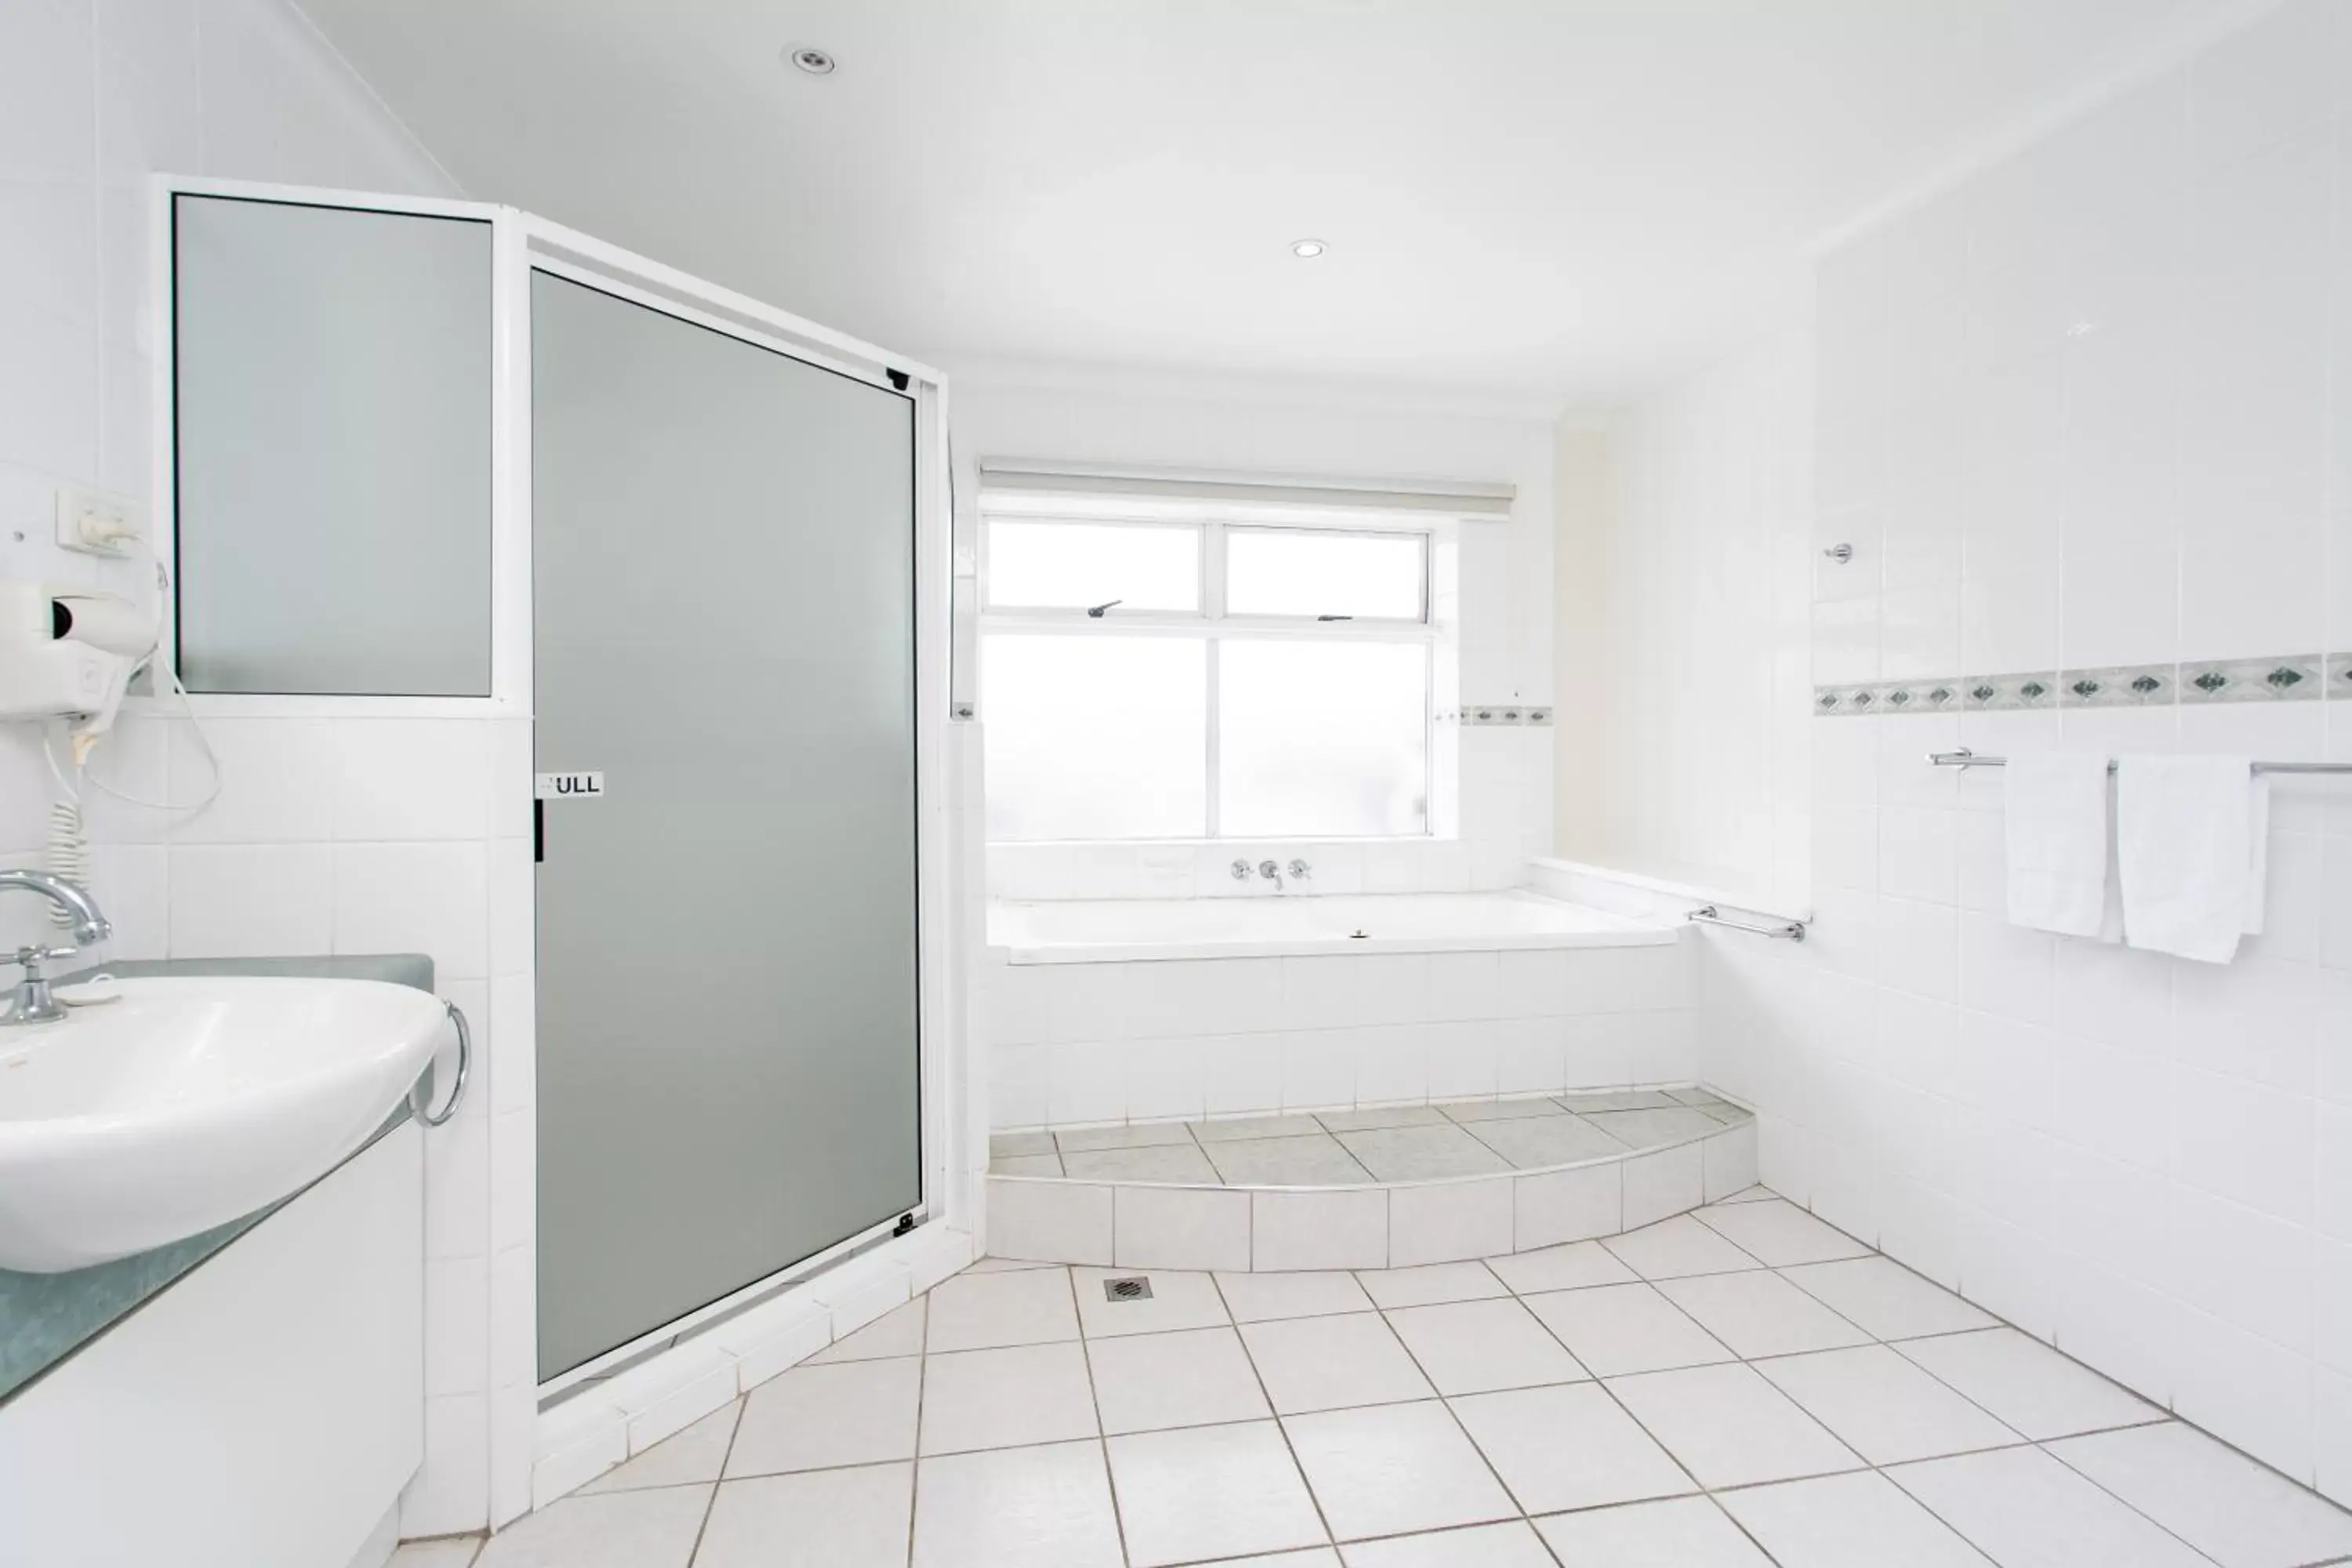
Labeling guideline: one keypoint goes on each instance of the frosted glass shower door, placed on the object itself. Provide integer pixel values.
(724, 624)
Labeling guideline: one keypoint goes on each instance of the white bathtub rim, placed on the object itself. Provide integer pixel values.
(1619, 931)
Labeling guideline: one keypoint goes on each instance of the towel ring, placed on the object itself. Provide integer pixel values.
(458, 1090)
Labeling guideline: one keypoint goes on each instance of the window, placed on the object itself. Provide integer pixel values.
(1199, 680)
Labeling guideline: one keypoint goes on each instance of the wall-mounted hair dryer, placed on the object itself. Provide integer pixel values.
(69, 652)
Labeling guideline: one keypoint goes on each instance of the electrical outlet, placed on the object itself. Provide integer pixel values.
(81, 509)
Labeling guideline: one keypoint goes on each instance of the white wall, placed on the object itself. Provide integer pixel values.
(329, 835)
(1505, 771)
(1683, 590)
(2089, 410)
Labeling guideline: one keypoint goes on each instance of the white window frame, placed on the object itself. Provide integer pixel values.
(1213, 624)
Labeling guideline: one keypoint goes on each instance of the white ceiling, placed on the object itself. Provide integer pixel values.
(1555, 198)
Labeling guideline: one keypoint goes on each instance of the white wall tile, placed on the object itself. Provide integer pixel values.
(432, 899)
(1330, 1229)
(1179, 1227)
(1445, 1222)
(1050, 1222)
(1574, 1205)
(251, 900)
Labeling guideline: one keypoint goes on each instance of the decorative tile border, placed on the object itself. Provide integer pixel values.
(2291, 678)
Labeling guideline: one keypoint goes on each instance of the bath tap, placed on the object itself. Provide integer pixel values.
(1301, 871)
(32, 1002)
(1272, 872)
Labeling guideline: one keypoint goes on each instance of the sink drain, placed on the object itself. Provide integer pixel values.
(1134, 1288)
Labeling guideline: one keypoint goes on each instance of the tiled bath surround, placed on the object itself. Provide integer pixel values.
(2087, 412)
(1072, 1043)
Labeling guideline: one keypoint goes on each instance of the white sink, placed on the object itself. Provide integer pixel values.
(191, 1102)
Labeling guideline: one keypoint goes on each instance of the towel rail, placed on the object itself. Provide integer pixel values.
(1964, 758)
(1784, 930)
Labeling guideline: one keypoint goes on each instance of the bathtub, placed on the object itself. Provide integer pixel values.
(1274, 925)
(1116, 1010)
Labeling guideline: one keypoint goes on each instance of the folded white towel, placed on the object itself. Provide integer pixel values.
(2055, 807)
(2185, 853)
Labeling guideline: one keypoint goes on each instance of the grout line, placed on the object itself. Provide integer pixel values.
(1273, 1414)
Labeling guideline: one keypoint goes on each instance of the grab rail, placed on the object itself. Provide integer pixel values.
(1785, 930)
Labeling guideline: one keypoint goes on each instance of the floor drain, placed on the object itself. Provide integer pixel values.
(1135, 1288)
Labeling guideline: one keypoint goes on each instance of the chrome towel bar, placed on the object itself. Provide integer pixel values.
(1964, 758)
(1780, 931)
(416, 1101)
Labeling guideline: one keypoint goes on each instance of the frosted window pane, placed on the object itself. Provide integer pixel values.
(1073, 565)
(1329, 739)
(1270, 572)
(1095, 737)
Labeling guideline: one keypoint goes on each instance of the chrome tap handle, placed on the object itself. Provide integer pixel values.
(1240, 871)
(1301, 871)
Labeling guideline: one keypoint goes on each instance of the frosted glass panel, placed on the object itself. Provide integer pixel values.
(1328, 739)
(333, 453)
(1096, 738)
(1073, 565)
(1276, 571)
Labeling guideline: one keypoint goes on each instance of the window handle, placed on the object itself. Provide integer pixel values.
(1095, 612)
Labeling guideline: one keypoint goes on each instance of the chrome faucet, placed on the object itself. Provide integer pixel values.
(31, 1003)
(1268, 870)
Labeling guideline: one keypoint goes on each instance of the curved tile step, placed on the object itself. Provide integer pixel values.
(1242, 1227)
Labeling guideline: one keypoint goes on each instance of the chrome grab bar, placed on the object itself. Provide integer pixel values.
(1786, 931)
(458, 1090)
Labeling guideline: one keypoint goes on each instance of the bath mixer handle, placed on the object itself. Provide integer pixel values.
(1271, 872)
(1240, 871)
(1301, 871)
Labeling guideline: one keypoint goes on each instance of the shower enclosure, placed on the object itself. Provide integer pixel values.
(447, 461)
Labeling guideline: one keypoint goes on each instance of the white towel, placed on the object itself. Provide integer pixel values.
(2186, 852)
(2056, 806)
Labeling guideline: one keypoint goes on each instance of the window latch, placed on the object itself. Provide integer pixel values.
(1095, 612)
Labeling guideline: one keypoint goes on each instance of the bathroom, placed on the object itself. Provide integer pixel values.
(1566, 981)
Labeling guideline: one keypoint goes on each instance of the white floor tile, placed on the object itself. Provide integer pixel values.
(1862, 1521)
(2024, 1509)
(1685, 1532)
(1394, 1468)
(1674, 1247)
(1193, 1378)
(2240, 1513)
(898, 1331)
(1781, 1234)
(1153, 1162)
(1617, 1328)
(1325, 1364)
(2028, 1385)
(1019, 1145)
(1178, 1301)
(1005, 1265)
(857, 1518)
(457, 1551)
(1214, 1491)
(1574, 1266)
(1431, 1282)
(999, 1398)
(1759, 1313)
(1882, 1295)
(1314, 1557)
(1476, 1347)
(1423, 1153)
(1025, 1166)
(653, 1529)
(1883, 1407)
(1511, 1545)
(1017, 1507)
(1755, 1194)
(982, 1312)
(696, 1454)
(1237, 1127)
(1568, 1446)
(813, 1417)
(1729, 1428)
(1089, 1140)
(1262, 1297)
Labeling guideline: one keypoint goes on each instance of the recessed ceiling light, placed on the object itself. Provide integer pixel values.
(1308, 247)
(816, 62)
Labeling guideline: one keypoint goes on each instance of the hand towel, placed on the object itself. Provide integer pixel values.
(2055, 810)
(2185, 853)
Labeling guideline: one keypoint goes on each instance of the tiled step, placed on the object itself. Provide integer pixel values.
(1383, 1188)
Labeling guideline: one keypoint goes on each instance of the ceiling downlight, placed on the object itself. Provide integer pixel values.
(1307, 249)
(815, 61)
